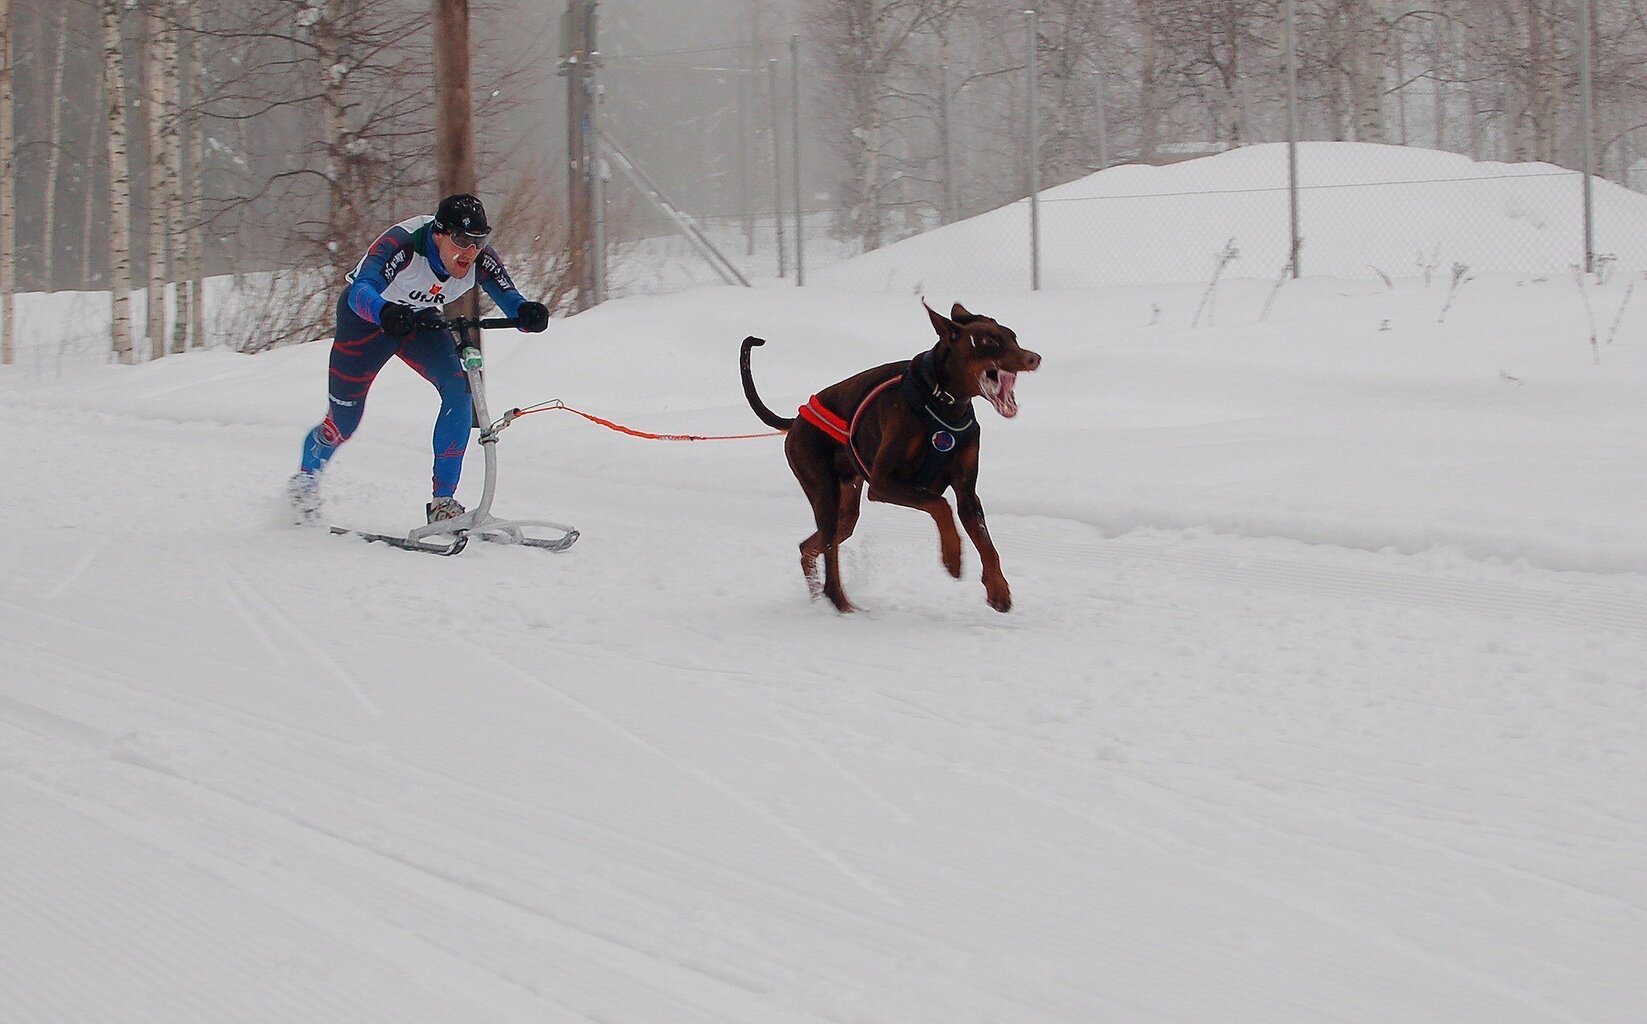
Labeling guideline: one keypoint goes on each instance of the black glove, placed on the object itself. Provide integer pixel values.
(396, 318)
(430, 318)
(533, 317)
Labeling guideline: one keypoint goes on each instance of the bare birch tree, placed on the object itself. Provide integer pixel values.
(194, 161)
(120, 259)
(159, 65)
(862, 46)
(54, 152)
(171, 136)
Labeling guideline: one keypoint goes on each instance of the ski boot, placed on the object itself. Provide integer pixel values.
(303, 491)
(442, 509)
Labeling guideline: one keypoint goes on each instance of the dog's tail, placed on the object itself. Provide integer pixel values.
(767, 416)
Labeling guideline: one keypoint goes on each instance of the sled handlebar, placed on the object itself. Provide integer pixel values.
(462, 324)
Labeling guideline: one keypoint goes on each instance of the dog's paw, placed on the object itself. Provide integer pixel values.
(999, 597)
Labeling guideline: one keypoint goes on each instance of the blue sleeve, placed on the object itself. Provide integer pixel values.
(387, 256)
(494, 277)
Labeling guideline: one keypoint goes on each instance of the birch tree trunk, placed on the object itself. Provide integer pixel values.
(171, 116)
(334, 126)
(54, 154)
(1441, 58)
(158, 121)
(1369, 54)
(120, 256)
(94, 142)
(188, 129)
(8, 197)
(195, 212)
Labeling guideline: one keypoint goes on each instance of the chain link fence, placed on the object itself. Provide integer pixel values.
(1410, 207)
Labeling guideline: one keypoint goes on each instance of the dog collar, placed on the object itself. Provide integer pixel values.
(922, 391)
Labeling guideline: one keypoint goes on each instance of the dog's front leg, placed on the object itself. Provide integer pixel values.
(897, 492)
(996, 589)
(972, 518)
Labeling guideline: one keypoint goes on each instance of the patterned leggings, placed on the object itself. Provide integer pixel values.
(359, 351)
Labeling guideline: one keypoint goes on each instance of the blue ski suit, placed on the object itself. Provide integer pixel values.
(404, 266)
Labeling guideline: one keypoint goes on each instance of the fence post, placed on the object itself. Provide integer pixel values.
(1292, 141)
(795, 153)
(1103, 122)
(951, 214)
(1034, 167)
(746, 87)
(1586, 132)
(777, 173)
(597, 186)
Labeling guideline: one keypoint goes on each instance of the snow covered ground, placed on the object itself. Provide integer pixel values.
(1322, 699)
(1363, 211)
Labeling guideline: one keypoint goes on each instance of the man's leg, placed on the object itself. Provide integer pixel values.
(431, 354)
(358, 353)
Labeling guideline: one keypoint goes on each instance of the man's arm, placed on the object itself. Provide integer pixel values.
(494, 277)
(386, 258)
(532, 316)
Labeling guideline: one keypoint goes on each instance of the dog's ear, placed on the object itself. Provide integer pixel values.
(959, 314)
(947, 331)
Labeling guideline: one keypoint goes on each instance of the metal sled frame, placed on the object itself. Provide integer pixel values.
(448, 536)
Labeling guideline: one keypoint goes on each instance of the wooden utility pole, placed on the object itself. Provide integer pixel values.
(454, 112)
(8, 199)
(578, 57)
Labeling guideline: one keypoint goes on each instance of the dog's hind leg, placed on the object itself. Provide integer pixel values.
(846, 520)
(811, 457)
(827, 505)
(851, 504)
(811, 548)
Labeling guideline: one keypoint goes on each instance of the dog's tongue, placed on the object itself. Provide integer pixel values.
(1004, 401)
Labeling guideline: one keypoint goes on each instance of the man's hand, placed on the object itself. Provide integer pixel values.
(430, 318)
(397, 318)
(533, 317)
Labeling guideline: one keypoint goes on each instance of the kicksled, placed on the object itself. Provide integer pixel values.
(450, 536)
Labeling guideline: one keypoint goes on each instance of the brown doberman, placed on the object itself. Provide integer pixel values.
(906, 427)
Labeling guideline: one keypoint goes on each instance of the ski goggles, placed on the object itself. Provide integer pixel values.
(465, 240)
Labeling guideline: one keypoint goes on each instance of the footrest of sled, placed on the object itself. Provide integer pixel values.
(543, 534)
(543, 543)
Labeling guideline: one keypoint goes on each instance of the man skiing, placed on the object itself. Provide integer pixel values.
(390, 308)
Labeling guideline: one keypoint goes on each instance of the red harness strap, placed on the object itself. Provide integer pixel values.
(814, 413)
(837, 428)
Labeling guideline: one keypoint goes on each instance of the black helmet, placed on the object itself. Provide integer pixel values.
(463, 214)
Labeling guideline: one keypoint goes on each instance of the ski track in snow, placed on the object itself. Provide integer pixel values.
(256, 773)
(241, 596)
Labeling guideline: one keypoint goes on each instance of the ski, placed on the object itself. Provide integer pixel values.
(406, 543)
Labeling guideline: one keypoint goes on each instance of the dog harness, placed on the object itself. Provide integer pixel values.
(920, 389)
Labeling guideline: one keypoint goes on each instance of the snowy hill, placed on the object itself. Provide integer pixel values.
(1364, 210)
(1322, 699)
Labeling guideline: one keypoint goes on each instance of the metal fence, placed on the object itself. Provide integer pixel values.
(1298, 203)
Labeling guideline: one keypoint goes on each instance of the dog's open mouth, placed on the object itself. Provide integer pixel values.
(995, 384)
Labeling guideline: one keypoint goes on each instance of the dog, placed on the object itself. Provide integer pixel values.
(906, 427)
